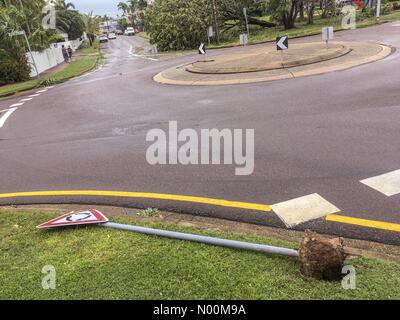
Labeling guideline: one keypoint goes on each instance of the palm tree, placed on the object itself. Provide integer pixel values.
(91, 25)
(123, 6)
(62, 5)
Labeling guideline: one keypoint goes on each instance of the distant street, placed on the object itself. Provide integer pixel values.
(320, 135)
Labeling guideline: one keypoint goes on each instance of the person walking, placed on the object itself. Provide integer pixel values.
(65, 54)
(70, 53)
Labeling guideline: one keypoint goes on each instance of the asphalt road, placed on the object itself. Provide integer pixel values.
(319, 134)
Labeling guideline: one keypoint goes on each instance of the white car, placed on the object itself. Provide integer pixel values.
(112, 36)
(103, 38)
(130, 31)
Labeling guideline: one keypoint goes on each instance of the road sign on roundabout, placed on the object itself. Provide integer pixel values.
(202, 49)
(282, 43)
(76, 219)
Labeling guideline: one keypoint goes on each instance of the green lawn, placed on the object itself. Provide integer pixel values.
(144, 35)
(74, 69)
(97, 263)
(95, 48)
(258, 35)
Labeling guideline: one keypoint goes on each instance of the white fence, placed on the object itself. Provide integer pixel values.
(50, 57)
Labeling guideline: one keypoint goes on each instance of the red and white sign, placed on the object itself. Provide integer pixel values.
(76, 219)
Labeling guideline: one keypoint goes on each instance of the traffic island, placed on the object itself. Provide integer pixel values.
(266, 64)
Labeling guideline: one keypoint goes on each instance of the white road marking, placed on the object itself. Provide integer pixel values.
(303, 209)
(26, 99)
(388, 183)
(34, 95)
(6, 115)
(41, 91)
(17, 104)
(139, 55)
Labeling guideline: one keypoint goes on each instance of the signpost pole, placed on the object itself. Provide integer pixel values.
(23, 33)
(378, 10)
(204, 239)
(214, 9)
(30, 51)
(247, 21)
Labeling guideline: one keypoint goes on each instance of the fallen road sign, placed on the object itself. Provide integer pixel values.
(202, 49)
(76, 219)
(97, 218)
(282, 43)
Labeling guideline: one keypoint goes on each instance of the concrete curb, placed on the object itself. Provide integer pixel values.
(289, 73)
(40, 84)
(274, 66)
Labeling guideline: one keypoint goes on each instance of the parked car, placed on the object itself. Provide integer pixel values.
(130, 31)
(112, 36)
(103, 38)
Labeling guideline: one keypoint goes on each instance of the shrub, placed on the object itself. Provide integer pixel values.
(14, 63)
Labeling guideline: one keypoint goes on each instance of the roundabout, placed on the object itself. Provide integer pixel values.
(266, 64)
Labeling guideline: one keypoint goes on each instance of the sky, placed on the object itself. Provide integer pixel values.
(99, 7)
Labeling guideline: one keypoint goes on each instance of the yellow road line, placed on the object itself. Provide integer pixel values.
(121, 194)
(364, 223)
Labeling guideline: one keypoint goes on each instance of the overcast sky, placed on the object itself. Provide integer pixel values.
(99, 7)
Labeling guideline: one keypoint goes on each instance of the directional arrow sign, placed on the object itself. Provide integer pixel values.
(202, 49)
(75, 219)
(282, 43)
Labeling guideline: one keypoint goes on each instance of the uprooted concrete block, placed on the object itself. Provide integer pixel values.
(321, 258)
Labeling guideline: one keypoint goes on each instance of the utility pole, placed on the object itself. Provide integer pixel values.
(214, 10)
(23, 33)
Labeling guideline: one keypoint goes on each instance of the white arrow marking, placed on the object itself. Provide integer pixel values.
(5, 116)
(201, 49)
(281, 43)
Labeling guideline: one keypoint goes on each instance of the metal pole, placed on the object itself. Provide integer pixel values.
(30, 51)
(204, 239)
(378, 10)
(247, 21)
(214, 9)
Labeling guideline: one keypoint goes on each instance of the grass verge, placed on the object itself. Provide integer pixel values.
(74, 69)
(95, 48)
(304, 30)
(97, 263)
(144, 35)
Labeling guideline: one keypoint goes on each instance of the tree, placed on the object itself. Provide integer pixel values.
(284, 12)
(69, 20)
(310, 7)
(137, 9)
(123, 24)
(27, 15)
(13, 59)
(178, 24)
(230, 13)
(91, 23)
